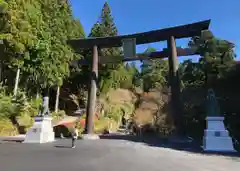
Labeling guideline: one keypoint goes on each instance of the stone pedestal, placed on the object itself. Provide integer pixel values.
(41, 131)
(216, 137)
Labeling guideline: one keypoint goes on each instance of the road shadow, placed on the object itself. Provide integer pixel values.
(12, 140)
(156, 141)
(62, 146)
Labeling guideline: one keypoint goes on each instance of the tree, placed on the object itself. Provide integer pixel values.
(38, 45)
(3, 35)
(59, 27)
(3, 10)
(217, 55)
(191, 74)
(154, 72)
(105, 27)
(211, 71)
(22, 38)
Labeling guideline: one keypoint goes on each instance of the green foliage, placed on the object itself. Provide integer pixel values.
(105, 27)
(7, 128)
(39, 31)
(7, 107)
(104, 125)
(3, 10)
(122, 77)
(34, 34)
(217, 55)
(192, 74)
(34, 105)
(214, 69)
(154, 72)
(58, 115)
(3, 7)
(116, 111)
(25, 121)
(19, 106)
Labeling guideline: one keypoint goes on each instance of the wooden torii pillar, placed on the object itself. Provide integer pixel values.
(175, 100)
(92, 93)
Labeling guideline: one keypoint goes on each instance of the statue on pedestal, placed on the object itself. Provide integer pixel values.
(42, 129)
(216, 137)
(213, 109)
(44, 110)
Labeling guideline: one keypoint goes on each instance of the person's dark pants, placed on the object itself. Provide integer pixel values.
(73, 141)
(124, 122)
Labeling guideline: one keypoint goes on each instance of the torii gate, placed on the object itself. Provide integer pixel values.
(129, 43)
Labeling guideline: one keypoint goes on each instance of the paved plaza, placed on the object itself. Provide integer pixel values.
(107, 155)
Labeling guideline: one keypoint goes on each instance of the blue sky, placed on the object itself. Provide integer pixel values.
(133, 16)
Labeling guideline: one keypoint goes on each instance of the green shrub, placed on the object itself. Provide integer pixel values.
(80, 128)
(105, 124)
(100, 126)
(34, 105)
(19, 109)
(116, 111)
(15, 106)
(7, 128)
(25, 121)
(7, 107)
(58, 115)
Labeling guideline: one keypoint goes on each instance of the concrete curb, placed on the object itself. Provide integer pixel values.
(17, 138)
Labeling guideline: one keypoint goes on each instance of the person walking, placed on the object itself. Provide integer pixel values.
(74, 136)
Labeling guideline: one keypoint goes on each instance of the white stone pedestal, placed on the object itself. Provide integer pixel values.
(216, 137)
(41, 131)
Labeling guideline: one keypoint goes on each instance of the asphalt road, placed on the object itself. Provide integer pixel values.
(106, 155)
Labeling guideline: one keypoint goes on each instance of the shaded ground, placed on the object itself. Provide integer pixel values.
(187, 145)
(107, 155)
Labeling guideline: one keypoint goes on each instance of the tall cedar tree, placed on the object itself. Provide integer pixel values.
(105, 27)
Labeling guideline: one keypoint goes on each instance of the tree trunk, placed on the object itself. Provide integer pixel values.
(57, 99)
(16, 82)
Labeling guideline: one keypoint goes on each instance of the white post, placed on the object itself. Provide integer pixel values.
(16, 82)
(57, 99)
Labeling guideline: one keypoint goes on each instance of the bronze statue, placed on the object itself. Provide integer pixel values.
(213, 108)
(44, 110)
